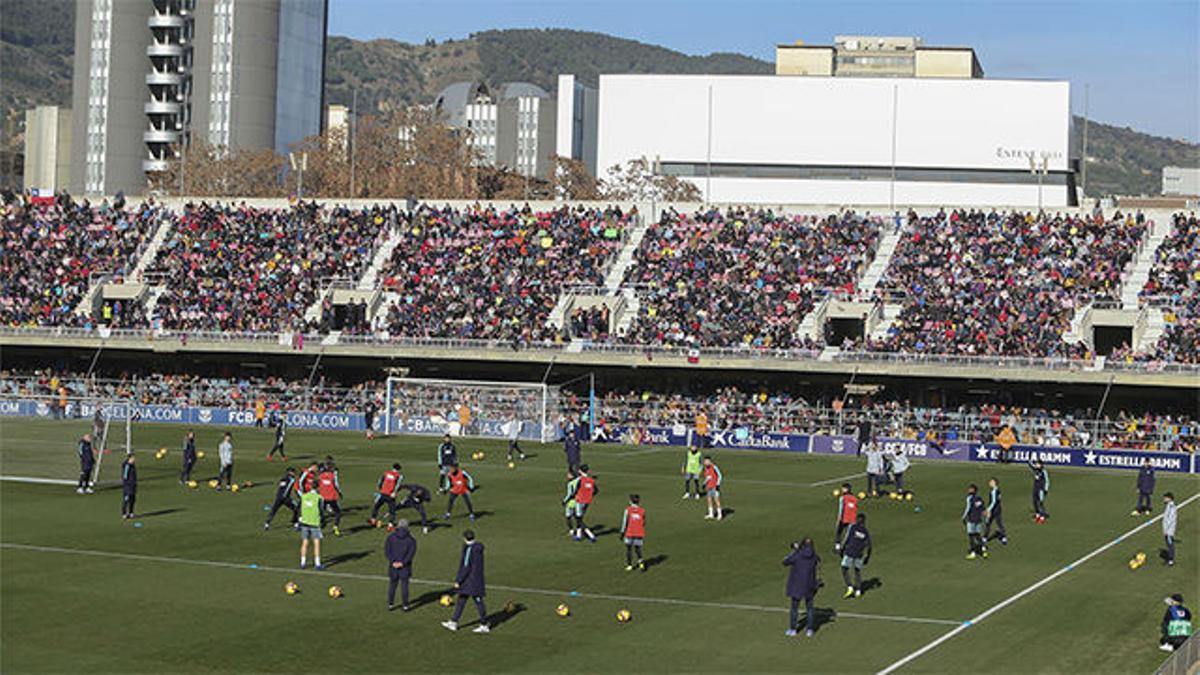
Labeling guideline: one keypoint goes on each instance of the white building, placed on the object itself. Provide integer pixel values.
(827, 140)
(1181, 181)
(47, 148)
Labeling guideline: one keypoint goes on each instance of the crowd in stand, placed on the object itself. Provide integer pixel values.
(987, 283)
(724, 409)
(240, 268)
(492, 274)
(730, 408)
(742, 278)
(1174, 285)
(49, 252)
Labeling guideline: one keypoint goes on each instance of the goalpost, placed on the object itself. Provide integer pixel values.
(112, 424)
(472, 408)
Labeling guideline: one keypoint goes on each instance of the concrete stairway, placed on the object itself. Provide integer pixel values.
(616, 273)
(629, 314)
(883, 257)
(151, 252)
(890, 312)
(1140, 267)
(370, 277)
(1155, 326)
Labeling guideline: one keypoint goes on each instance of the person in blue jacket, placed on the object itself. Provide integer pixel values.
(802, 584)
(469, 583)
(128, 487)
(1145, 488)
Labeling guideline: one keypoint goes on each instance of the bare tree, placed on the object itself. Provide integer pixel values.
(637, 181)
(206, 170)
(572, 181)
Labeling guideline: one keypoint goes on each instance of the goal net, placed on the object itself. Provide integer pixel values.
(41, 436)
(530, 411)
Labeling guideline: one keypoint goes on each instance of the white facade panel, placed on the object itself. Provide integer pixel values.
(747, 123)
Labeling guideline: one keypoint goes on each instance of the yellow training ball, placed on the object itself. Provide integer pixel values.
(445, 600)
(192, 484)
(908, 497)
(837, 493)
(1133, 564)
(199, 454)
(481, 455)
(213, 483)
(623, 616)
(562, 610)
(291, 588)
(862, 495)
(512, 465)
(1141, 557)
(234, 487)
(335, 592)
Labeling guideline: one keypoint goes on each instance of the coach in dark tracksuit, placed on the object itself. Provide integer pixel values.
(469, 583)
(285, 491)
(572, 444)
(995, 514)
(1041, 486)
(802, 584)
(400, 548)
(1145, 486)
(189, 457)
(447, 456)
(87, 462)
(128, 487)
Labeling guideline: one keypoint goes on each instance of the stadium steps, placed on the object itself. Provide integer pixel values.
(1155, 326)
(630, 313)
(558, 315)
(370, 277)
(1081, 327)
(152, 300)
(809, 325)
(890, 312)
(616, 273)
(1141, 266)
(151, 252)
(883, 258)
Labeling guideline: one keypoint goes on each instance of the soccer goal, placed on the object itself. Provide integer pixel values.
(472, 408)
(44, 446)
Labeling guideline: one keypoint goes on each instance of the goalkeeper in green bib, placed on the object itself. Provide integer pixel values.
(309, 525)
(693, 466)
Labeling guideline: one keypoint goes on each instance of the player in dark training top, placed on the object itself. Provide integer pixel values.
(285, 495)
(972, 517)
(280, 436)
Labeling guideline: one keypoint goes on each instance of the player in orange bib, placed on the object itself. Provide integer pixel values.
(330, 490)
(847, 512)
(633, 530)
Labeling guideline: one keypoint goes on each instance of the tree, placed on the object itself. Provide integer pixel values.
(636, 181)
(572, 181)
(213, 171)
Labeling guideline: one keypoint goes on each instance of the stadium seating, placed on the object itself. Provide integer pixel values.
(742, 278)
(1174, 284)
(1001, 284)
(50, 251)
(492, 274)
(238, 268)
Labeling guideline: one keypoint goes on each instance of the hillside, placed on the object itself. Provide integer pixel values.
(36, 46)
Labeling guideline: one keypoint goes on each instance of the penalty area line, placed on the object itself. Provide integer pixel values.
(448, 584)
(1022, 593)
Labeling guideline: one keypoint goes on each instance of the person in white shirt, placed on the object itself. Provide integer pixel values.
(1170, 520)
(900, 464)
(225, 451)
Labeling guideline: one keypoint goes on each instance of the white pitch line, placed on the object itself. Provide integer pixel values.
(836, 480)
(40, 481)
(448, 584)
(1026, 591)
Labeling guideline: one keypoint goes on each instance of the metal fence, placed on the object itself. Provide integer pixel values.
(1183, 661)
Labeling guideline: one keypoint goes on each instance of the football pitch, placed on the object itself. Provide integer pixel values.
(196, 584)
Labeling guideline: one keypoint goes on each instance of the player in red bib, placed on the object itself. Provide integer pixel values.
(581, 491)
(330, 490)
(461, 485)
(389, 486)
(307, 481)
(712, 489)
(847, 512)
(633, 530)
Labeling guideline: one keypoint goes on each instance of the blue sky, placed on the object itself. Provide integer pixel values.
(1141, 58)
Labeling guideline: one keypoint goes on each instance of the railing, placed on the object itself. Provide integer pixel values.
(738, 410)
(1183, 659)
(682, 350)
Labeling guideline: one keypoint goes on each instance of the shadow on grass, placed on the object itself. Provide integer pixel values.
(507, 612)
(346, 557)
(160, 512)
(871, 584)
(656, 561)
(428, 598)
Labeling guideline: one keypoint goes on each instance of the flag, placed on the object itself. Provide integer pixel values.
(41, 196)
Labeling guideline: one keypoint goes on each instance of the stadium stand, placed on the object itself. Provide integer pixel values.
(1174, 285)
(743, 278)
(51, 252)
(491, 274)
(727, 408)
(1001, 283)
(238, 268)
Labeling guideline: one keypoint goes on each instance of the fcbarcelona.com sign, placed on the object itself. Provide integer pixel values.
(296, 419)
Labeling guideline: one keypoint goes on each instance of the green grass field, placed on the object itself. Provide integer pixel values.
(198, 587)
